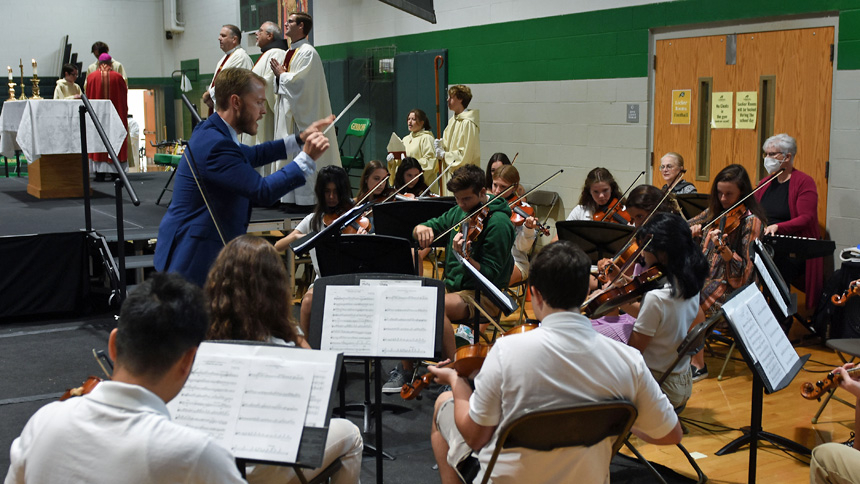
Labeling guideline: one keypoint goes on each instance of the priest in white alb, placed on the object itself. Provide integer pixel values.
(234, 56)
(271, 42)
(461, 142)
(302, 98)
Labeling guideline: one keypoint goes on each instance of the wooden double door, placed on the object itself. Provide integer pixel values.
(790, 73)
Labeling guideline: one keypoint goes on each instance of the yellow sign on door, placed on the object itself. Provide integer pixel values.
(746, 107)
(681, 106)
(721, 110)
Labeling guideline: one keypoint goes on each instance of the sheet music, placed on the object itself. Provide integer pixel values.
(760, 332)
(765, 276)
(372, 320)
(255, 400)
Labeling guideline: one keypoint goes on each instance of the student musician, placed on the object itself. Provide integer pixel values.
(490, 252)
(503, 178)
(566, 363)
(409, 174)
(496, 161)
(248, 292)
(666, 313)
(599, 191)
(332, 193)
(728, 254)
(374, 172)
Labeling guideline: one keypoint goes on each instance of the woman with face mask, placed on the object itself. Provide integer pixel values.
(791, 203)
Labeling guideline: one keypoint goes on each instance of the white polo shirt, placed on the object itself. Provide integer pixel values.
(119, 433)
(559, 364)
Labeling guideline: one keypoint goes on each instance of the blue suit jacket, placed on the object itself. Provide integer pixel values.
(188, 242)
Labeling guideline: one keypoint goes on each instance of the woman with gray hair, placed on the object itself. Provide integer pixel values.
(791, 203)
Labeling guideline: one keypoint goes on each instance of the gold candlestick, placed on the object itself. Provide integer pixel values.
(11, 91)
(21, 65)
(35, 82)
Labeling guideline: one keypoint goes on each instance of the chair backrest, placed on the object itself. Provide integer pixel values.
(583, 424)
(358, 127)
(692, 343)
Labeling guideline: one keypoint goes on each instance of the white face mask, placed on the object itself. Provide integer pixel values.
(771, 164)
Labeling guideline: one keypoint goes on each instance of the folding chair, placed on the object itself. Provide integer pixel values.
(692, 344)
(847, 346)
(583, 424)
(358, 129)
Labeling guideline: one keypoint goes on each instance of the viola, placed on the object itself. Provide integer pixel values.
(813, 391)
(618, 296)
(467, 362)
(853, 290)
(614, 213)
(88, 386)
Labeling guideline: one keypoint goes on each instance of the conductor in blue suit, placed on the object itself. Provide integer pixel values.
(188, 239)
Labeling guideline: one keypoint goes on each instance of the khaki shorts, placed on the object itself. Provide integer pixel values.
(678, 387)
(488, 305)
(458, 449)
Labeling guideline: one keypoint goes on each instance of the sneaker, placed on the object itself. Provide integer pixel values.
(465, 333)
(396, 379)
(699, 373)
(850, 441)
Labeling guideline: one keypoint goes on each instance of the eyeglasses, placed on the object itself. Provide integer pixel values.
(771, 154)
(666, 167)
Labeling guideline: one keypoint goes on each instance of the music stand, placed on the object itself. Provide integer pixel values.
(777, 290)
(692, 204)
(308, 242)
(597, 239)
(398, 219)
(752, 322)
(315, 338)
(359, 254)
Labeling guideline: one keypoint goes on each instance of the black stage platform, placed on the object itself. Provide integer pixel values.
(42, 356)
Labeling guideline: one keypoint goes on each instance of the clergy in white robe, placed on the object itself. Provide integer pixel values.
(302, 98)
(271, 42)
(461, 143)
(234, 56)
(66, 87)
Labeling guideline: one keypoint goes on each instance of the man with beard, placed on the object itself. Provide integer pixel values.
(195, 229)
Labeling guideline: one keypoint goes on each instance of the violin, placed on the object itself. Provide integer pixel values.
(618, 296)
(467, 362)
(88, 386)
(730, 220)
(853, 290)
(614, 213)
(606, 268)
(360, 223)
(520, 211)
(813, 391)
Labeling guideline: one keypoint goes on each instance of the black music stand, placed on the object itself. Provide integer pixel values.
(761, 382)
(315, 337)
(483, 286)
(398, 219)
(779, 295)
(692, 204)
(360, 254)
(597, 239)
(308, 242)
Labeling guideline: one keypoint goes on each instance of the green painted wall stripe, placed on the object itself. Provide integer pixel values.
(592, 45)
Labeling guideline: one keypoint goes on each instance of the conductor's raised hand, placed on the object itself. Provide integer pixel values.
(317, 126)
(315, 145)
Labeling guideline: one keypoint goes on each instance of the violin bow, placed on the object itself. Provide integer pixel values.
(524, 195)
(366, 195)
(617, 202)
(467, 217)
(621, 272)
(436, 180)
(389, 197)
(515, 158)
(742, 200)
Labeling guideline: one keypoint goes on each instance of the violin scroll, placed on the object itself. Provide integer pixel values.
(853, 290)
(85, 388)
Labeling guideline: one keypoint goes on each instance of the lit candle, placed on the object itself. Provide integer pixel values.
(10, 72)
(34, 67)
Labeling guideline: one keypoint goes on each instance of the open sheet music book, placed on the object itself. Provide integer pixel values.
(257, 400)
(761, 336)
(381, 318)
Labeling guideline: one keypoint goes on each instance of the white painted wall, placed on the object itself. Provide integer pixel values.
(132, 29)
(203, 21)
(338, 21)
(843, 197)
(574, 125)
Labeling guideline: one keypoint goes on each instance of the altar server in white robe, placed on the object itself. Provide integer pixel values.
(98, 49)
(234, 56)
(460, 143)
(302, 97)
(271, 42)
(66, 87)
